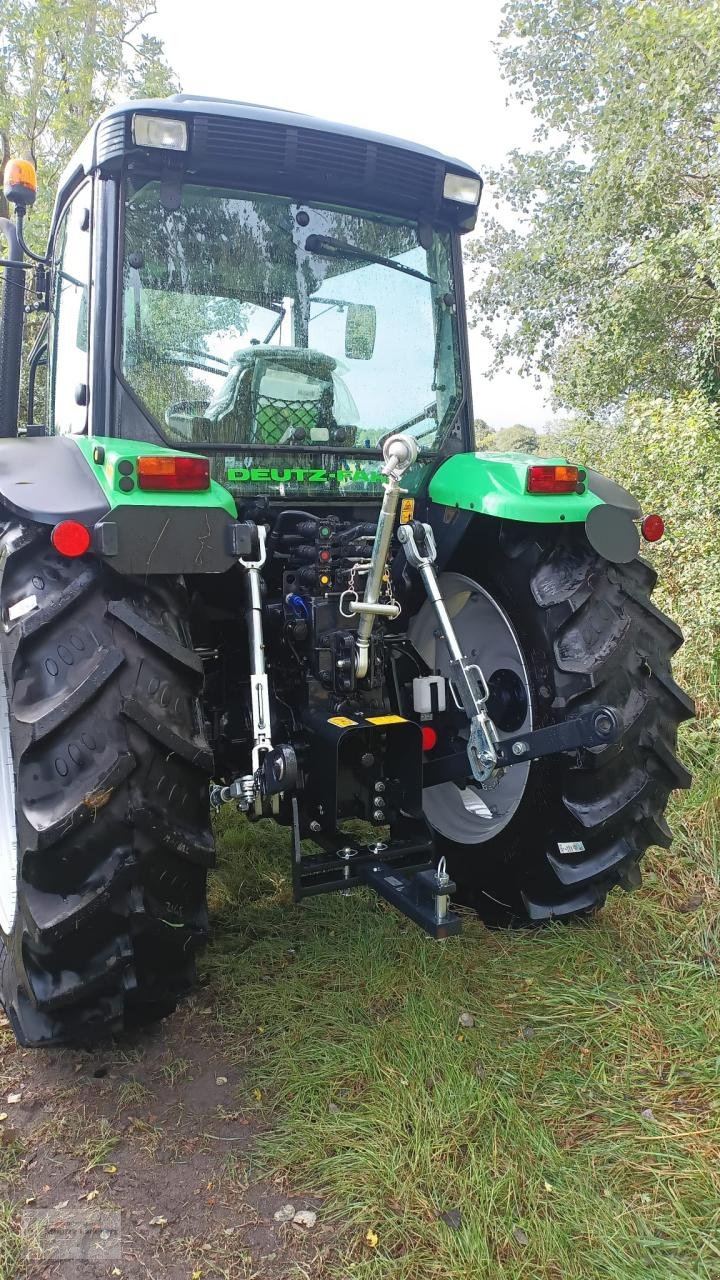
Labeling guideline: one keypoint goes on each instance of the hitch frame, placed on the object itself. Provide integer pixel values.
(399, 870)
(423, 897)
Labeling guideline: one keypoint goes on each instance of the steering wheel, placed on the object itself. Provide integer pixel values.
(185, 409)
(195, 359)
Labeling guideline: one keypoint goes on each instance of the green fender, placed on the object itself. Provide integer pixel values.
(495, 484)
(113, 463)
(94, 481)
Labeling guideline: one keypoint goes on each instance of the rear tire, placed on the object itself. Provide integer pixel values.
(111, 815)
(589, 634)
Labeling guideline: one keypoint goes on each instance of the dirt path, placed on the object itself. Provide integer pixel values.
(143, 1153)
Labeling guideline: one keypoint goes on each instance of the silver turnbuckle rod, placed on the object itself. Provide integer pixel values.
(245, 788)
(467, 682)
(259, 691)
(399, 453)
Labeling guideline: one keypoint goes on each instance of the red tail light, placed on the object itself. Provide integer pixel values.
(173, 471)
(429, 737)
(70, 538)
(553, 479)
(652, 528)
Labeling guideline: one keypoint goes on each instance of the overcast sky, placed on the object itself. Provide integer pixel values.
(419, 71)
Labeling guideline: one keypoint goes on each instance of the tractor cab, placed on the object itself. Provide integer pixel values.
(282, 294)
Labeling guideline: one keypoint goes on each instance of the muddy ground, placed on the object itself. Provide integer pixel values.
(151, 1138)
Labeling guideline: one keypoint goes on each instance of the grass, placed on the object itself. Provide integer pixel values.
(573, 1131)
(12, 1150)
(173, 1071)
(133, 1094)
(15, 1246)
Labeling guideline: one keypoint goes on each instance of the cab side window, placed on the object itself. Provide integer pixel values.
(69, 327)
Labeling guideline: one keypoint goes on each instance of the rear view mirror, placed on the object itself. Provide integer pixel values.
(360, 328)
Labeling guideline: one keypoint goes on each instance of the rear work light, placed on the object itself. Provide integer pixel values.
(168, 471)
(70, 538)
(462, 187)
(166, 133)
(554, 479)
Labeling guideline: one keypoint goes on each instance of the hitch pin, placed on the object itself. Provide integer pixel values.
(442, 900)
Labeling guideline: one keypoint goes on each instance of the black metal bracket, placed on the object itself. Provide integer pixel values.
(423, 896)
(597, 728)
(339, 863)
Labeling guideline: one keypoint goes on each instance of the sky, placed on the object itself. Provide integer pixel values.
(412, 70)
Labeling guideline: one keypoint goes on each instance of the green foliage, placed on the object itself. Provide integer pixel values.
(60, 66)
(604, 268)
(517, 439)
(667, 455)
(484, 434)
(707, 358)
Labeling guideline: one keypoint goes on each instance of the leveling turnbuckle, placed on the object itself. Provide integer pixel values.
(399, 453)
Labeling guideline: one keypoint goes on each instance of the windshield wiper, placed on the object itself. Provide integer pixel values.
(326, 247)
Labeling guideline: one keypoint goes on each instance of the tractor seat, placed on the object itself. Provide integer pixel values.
(282, 394)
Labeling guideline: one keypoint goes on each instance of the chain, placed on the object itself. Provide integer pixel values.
(351, 592)
(388, 597)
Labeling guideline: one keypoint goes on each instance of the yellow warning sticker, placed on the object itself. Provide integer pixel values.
(342, 722)
(407, 510)
(386, 720)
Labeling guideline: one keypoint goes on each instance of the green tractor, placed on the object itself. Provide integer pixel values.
(251, 558)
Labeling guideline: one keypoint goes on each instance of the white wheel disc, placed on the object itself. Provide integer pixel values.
(472, 814)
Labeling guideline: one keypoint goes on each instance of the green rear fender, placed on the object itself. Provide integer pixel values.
(95, 482)
(113, 463)
(495, 484)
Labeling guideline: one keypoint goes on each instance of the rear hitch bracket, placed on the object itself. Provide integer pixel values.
(423, 895)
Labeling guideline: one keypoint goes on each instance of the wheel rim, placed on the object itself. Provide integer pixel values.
(474, 814)
(8, 831)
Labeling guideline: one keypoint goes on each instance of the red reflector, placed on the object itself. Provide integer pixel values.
(552, 479)
(429, 737)
(652, 528)
(70, 538)
(173, 471)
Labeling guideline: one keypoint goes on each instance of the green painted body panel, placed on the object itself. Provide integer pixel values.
(108, 476)
(495, 484)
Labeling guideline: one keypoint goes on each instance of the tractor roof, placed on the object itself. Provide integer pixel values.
(285, 152)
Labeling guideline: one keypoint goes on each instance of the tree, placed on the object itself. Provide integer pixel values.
(517, 439)
(484, 434)
(61, 65)
(606, 274)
